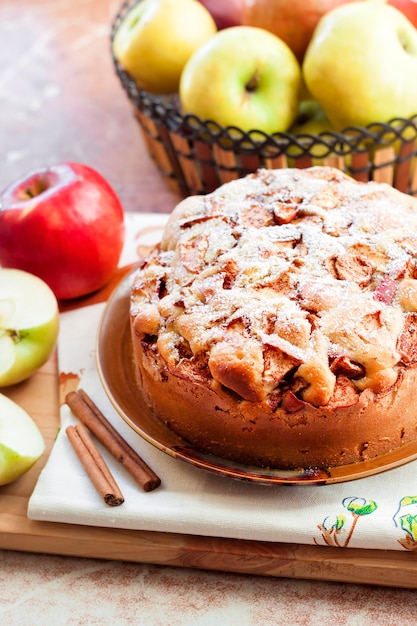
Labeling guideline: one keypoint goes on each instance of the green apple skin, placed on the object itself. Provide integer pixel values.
(243, 76)
(157, 37)
(29, 325)
(361, 64)
(311, 119)
(21, 441)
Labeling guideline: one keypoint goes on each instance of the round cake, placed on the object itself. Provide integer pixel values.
(275, 324)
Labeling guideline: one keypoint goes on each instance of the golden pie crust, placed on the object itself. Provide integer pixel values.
(275, 324)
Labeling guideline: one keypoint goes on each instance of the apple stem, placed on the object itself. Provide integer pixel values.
(14, 335)
(32, 189)
(253, 82)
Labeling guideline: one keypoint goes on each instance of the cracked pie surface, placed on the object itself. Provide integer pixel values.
(276, 322)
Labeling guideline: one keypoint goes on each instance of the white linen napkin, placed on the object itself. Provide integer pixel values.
(376, 512)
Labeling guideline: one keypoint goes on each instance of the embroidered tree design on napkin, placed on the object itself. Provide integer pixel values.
(338, 532)
(406, 519)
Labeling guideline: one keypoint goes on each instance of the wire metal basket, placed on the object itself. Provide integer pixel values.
(196, 156)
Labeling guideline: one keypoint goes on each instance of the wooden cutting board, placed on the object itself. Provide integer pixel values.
(40, 397)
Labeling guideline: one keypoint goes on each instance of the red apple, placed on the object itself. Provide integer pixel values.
(292, 20)
(225, 13)
(65, 224)
(408, 7)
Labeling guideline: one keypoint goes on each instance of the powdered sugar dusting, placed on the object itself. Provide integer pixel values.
(292, 257)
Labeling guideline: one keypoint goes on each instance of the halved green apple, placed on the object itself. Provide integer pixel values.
(21, 441)
(29, 322)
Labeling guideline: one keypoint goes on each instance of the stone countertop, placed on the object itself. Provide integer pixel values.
(64, 591)
(60, 100)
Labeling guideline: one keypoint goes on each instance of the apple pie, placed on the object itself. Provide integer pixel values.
(275, 324)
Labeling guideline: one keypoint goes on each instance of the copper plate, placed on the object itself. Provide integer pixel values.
(116, 371)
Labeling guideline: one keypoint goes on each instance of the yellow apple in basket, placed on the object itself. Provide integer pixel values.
(21, 442)
(243, 76)
(361, 64)
(28, 325)
(311, 120)
(157, 37)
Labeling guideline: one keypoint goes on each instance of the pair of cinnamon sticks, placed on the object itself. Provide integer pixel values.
(92, 418)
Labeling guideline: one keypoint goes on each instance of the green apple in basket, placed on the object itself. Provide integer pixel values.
(28, 325)
(311, 121)
(361, 64)
(156, 38)
(243, 76)
(21, 442)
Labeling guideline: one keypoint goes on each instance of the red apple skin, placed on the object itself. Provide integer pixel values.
(292, 20)
(408, 7)
(65, 224)
(225, 13)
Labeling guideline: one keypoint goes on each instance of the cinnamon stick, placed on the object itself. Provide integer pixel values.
(90, 415)
(94, 465)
